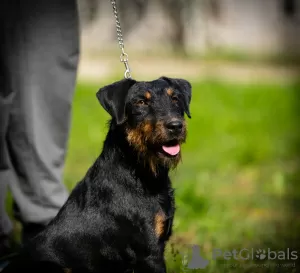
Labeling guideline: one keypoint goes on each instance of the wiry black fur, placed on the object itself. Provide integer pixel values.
(107, 223)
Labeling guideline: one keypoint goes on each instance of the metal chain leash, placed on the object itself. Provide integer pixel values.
(124, 56)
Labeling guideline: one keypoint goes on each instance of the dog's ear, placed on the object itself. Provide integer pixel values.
(185, 87)
(113, 98)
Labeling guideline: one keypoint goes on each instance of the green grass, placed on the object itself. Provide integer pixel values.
(237, 186)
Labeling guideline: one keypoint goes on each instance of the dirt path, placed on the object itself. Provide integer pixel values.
(95, 70)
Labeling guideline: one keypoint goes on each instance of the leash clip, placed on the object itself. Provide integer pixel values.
(124, 59)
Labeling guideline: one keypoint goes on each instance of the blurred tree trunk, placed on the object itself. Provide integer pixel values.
(89, 10)
(174, 9)
(289, 7)
(215, 9)
(212, 13)
(131, 12)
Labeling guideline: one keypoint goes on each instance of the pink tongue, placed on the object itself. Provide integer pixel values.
(172, 150)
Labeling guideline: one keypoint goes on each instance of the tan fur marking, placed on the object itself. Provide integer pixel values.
(135, 139)
(147, 128)
(148, 95)
(170, 91)
(138, 136)
(67, 270)
(147, 133)
(159, 223)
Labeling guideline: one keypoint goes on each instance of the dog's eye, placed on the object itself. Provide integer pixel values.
(175, 99)
(141, 102)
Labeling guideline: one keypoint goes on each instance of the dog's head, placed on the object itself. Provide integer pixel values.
(152, 115)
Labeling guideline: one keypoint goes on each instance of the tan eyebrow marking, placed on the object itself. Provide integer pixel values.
(170, 91)
(148, 95)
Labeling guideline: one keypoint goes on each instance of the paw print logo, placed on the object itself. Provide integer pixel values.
(196, 261)
(260, 254)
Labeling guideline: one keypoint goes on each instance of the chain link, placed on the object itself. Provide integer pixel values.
(124, 56)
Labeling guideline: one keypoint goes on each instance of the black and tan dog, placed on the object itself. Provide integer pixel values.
(119, 217)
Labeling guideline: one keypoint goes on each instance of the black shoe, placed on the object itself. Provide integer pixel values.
(30, 230)
(8, 248)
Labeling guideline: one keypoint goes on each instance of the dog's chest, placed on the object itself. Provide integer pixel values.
(163, 216)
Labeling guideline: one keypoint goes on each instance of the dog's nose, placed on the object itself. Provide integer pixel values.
(174, 126)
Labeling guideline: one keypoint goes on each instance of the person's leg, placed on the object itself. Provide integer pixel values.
(6, 98)
(6, 226)
(42, 65)
(5, 103)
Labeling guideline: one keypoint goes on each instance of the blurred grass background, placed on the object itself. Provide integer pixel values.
(238, 178)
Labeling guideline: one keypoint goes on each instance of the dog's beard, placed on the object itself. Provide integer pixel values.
(150, 144)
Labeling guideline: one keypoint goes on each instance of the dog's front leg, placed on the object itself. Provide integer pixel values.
(151, 264)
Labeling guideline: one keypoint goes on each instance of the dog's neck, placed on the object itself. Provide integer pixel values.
(117, 149)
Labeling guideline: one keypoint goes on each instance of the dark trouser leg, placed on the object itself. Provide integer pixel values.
(42, 49)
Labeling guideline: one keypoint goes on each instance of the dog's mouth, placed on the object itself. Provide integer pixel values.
(171, 148)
